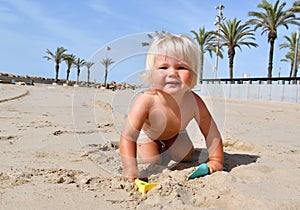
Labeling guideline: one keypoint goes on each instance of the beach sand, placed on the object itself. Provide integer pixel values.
(59, 150)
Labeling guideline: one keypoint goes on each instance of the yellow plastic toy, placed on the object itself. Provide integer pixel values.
(144, 187)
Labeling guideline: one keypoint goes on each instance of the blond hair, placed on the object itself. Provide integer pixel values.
(180, 47)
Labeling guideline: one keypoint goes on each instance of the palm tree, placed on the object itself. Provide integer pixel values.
(88, 65)
(150, 36)
(106, 62)
(57, 57)
(296, 7)
(291, 44)
(234, 34)
(69, 59)
(205, 41)
(295, 67)
(78, 63)
(289, 58)
(270, 20)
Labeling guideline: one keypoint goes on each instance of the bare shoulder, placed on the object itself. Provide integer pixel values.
(151, 92)
(202, 108)
(145, 100)
(198, 99)
(148, 95)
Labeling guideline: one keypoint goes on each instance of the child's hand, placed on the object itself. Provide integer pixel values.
(214, 166)
(130, 174)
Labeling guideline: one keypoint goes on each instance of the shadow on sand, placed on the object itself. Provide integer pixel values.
(230, 160)
(200, 156)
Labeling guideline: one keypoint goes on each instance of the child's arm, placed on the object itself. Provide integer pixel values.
(128, 154)
(212, 136)
(130, 133)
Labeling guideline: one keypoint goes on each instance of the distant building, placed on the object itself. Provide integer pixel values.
(246, 75)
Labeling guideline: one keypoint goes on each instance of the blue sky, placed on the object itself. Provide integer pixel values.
(86, 28)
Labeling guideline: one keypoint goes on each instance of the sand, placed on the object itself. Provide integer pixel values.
(59, 150)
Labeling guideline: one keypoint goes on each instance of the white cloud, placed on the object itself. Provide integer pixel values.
(99, 7)
(114, 13)
(7, 15)
(44, 24)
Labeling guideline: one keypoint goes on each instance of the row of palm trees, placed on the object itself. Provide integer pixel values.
(71, 62)
(74, 62)
(234, 34)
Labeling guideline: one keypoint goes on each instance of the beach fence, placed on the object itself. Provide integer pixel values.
(274, 92)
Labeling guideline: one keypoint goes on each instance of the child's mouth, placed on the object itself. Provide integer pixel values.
(173, 83)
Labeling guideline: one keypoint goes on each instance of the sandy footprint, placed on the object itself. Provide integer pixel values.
(235, 145)
(106, 156)
(106, 127)
(10, 138)
(41, 124)
(104, 106)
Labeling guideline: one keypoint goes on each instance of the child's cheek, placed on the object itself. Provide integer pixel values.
(157, 78)
(186, 77)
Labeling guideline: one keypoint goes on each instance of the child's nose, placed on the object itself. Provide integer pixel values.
(174, 71)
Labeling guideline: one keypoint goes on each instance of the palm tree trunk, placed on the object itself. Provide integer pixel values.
(68, 73)
(295, 72)
(105, 77)
(57, 71)
(291, 71)
(270, 65)
(78, 73)
(88, 78)
(231, 54)
(201, 67)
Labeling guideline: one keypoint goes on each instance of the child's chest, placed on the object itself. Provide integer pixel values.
(170, 117)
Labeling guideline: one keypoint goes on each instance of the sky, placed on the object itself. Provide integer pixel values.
(86, 28)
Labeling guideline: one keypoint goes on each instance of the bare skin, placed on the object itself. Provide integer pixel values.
(162, 113)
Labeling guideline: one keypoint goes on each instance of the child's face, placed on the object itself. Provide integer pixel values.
(171, 75)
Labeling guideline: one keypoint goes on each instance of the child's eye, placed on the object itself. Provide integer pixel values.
(163, 67)
(182, 68)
